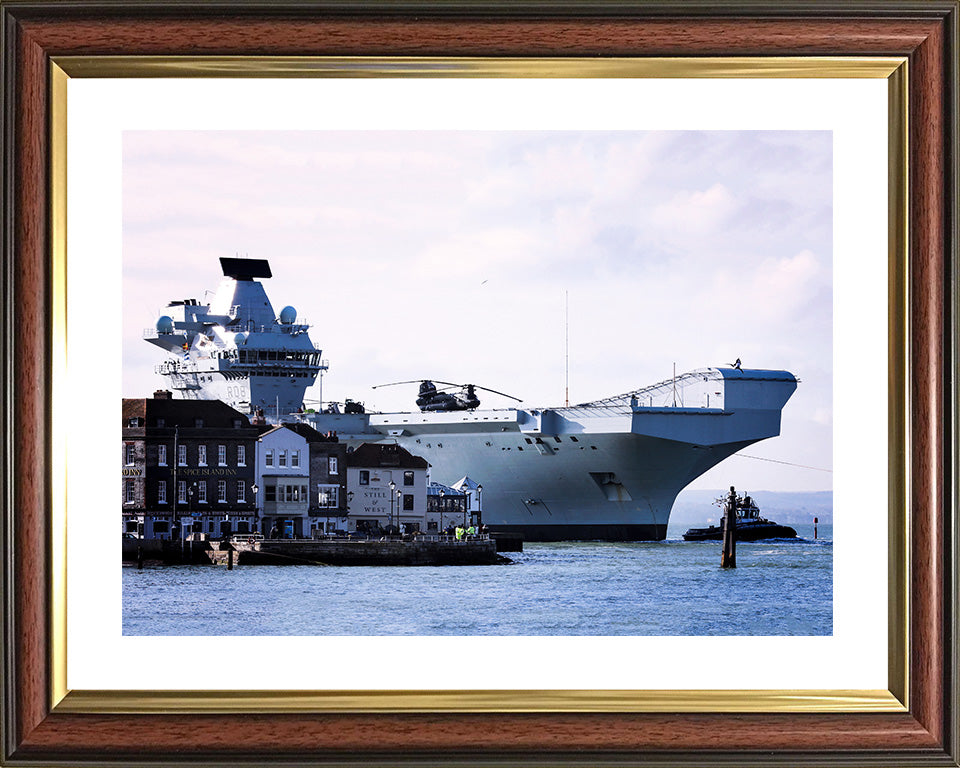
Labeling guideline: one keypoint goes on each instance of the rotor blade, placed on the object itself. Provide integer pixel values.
(394, 383)
(477, 386)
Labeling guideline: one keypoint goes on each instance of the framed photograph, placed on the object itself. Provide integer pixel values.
(434, 124)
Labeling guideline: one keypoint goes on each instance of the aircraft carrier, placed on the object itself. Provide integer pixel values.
(608, 470)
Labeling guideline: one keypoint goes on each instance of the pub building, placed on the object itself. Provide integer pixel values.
(187, 468)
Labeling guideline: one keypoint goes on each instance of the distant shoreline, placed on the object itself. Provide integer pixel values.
(789, 507)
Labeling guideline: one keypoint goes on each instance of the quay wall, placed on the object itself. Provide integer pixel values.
(371, 552)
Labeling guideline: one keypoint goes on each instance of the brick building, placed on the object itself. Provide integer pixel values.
(187, 466)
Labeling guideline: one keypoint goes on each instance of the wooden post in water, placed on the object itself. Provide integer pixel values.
(728, 559)
(815, 528)
(230, 558)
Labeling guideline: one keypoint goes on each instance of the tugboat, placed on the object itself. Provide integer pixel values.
(750, 525)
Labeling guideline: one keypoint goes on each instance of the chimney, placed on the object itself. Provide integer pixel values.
(162, 394)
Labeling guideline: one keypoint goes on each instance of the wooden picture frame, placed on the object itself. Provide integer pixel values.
(41, 726)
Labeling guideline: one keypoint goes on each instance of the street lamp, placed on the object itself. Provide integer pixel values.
(479, 505)
(392, 486)
(399, 494)
(191, 489)
(256, 510)
(440, 531)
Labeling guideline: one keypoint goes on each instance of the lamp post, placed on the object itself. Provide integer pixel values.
(392, 486)
(440, 530)
(256, 510)
(399, 495)
(479, 505)
(191, 489)
(466, 503)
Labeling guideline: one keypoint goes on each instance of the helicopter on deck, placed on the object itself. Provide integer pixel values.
(430, 398)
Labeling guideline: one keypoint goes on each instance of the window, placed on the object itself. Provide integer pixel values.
(162, 492)
(202, 455)
(241, 492)
(182, 491)
(161, 423)
(221, 491)
(294, 458)
(198, 423)
(332, 465)
(222, 455)
(282, 458)
(182, 455)
(162, 455)
(237, 423)
(129, 454)
(128, 497)
(408, 501)
(161, 526)
(268, 458)
(364, 477)
(328, 496)
(202, 491)
(408, 477)
(241, 455)
(133, 422)
(270, 493)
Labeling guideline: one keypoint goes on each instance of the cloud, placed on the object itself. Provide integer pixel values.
(686, 247)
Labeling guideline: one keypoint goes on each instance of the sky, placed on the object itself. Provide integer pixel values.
(485, 257)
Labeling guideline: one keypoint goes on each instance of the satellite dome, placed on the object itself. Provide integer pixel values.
(165, 324)
(239, 338)
(288, 315)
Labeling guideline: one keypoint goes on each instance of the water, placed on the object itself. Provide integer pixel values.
(572, 588)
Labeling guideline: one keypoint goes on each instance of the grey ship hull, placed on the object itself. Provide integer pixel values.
(608, 471)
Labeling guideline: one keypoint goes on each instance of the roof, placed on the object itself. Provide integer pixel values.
(183, 413)
(308, 432)
(434, 489)
(385, 455)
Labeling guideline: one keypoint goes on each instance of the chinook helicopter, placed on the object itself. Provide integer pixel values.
(432, 399)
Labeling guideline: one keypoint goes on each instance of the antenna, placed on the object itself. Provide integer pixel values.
(566, 373)
(674, 385)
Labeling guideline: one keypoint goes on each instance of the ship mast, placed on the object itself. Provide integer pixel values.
(566, 373)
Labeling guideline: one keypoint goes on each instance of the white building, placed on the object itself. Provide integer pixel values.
(283, 480)
(387, 488)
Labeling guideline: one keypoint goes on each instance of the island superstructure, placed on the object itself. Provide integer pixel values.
(236, 348)
(608, 469)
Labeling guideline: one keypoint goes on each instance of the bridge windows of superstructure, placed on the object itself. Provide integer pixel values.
(254, 356)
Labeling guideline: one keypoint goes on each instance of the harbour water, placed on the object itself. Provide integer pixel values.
(780, 587)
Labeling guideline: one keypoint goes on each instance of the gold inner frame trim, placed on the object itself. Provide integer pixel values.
(427, 66)
(542, 701)
(893, 69)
